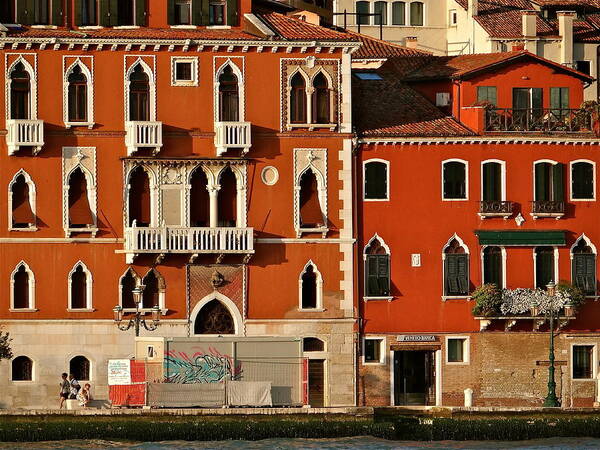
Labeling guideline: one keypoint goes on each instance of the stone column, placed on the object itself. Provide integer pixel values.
(213, 193)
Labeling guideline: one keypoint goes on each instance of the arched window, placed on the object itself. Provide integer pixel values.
(80, 287)
(214, 318)
(362, 11)
(22, 287)
(139, 95)
(583, 267)
(376, 180)
(493, 266)
(582, 180)
(321, 104)
(80, 213)
(20, 93)
(456, 269)
(139, 198)
(381, 9)
(78, 96)
(545, 262)
(79, 366)
(311, 344)
(22, 369)
(229, 103)
(549, 184)
(377, 269)
(311, 215)
(454, 180)
(298, 99)
(199, 199)
(128, 282)
(416, 14)
(154, 290)
(227, 199)
(21, 203)
(89, 12)
(311, 287)
(398, 13)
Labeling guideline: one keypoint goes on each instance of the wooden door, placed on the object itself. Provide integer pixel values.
(316, 383)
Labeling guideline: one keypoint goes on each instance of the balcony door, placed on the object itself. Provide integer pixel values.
(492, 182)
(549, 182)
(527, 107)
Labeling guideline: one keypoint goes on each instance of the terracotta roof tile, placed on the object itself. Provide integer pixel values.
(293, 29)
(372, 48)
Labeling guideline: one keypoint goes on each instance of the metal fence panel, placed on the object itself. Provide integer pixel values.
(169, 395)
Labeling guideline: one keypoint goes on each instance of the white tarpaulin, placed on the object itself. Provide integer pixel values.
(249, 393)
(119, 372)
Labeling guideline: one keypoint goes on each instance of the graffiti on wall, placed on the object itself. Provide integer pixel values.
(200, 367)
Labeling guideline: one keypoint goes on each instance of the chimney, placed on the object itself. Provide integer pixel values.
(306, 16)
(565, 30)
(411, 42)
(528, 22)
(472, 8)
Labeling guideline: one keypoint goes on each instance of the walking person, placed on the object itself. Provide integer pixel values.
(74, 387)
(65, 389)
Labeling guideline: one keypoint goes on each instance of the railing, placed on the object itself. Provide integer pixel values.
(495, 207)
(547, 207)
(143, 134)
(189, 240)
(24, 133)
(232, 135)
(548, 120)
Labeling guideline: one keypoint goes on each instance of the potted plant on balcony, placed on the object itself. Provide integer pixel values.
(572, 296)
(590, 114)
(488, 299)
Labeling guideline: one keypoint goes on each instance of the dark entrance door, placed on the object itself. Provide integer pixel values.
(414, 378)
(316, 382)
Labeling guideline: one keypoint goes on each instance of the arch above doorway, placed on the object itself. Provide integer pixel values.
(229, 306)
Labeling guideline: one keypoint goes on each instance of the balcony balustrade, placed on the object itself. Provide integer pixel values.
(495, 208)
(143, 134)
(547, 208)
(232, 135)
(24, 133)
(541, 120)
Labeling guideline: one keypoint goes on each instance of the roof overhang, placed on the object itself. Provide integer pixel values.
(521, 238)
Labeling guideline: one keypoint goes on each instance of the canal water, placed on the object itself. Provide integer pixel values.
(344, 443)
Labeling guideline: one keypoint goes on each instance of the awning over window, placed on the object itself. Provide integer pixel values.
(521, 237)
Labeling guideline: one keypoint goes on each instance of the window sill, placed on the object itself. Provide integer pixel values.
(367, 299)
(311, 309)
(373, 363)
(69, 125)
(126, 27)
(32, 228)
(582, 199)
(492, 215)
(184, 27)
(455, 199)
(92, 230)
(465, 363)
(144, 311)
(322, 230)
(81, 310)
(542, 215)
(311, 126)
(90, 27)
(192, 83)
(22, 381)
(376, 199)
(44, 27)
(455, 297)
(218, 27)
(23, 310)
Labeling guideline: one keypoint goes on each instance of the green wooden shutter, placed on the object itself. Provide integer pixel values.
(109, 13)
(171, 12)
(25, 12)
(57, 13)
(536, 98)
(584, 272)
(197, 12)
(232, 13)
(456, 274)
(450, 285)
(492, 181)
(541, 176)
(140, 13)
(383, 274)
(371, 287)
(558, 188)
(77, 13)
(554, 98)
(205, 12)
(463, 274)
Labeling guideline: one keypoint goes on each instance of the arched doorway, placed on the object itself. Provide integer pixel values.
(214, 318)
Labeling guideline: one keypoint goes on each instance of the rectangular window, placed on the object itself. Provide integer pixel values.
(454, 180)
(362, 11)
(381, 13)
(7, 15)
(89, 13)
(376, 180)
(559, 101)
(456, 275)
(582, 180)
(492, 182)
(544, 266)
(583, 357)
(486, 94)
(40, 12)
(373, 350)
(183, 12)
(378, 276)
(416, 14)
(398, 13)
(457, 349)
(184, 71)
(453, 18)
(584, 66)
(125, 16)
(549, 184)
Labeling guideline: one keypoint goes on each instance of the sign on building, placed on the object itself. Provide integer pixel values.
(119, 372)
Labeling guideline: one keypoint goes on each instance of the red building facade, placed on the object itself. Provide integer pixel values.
(192, 148)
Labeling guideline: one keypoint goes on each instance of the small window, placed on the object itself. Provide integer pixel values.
(183, 12)
(139, 95)
(583, 358)
(376, 180)
(373, 350)
(453, 18)
(22, 369)
(377, 270)
(584, 67)
(22, 288)
(486, 94)
(79, 366)
(442, 99)
(229, 96)
(366, 76)
(362, 11)
(311, 344)
(416, 14)
(185, 71)
(217, 12)
(381, 13)
(457, 350)
(582, 181)
(398, 13)
(456, 270)
(544, 266)
(455, 180)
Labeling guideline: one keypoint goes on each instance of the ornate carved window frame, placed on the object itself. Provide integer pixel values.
(32, 201)
(319, 288)
(89, 74)
(241, 76)
(88, 288)
(31, 307)
(83, 158)
(314, 159)
(150, 71)
(32, 70)
(184, 59)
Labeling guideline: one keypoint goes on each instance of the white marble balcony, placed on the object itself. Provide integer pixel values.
(230, 135)
(143, 134)
(24, 133)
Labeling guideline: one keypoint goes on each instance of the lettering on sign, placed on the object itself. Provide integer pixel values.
(416, 338)
(415, 260)
(119, 372)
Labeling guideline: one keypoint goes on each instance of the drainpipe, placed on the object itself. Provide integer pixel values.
(565, 30)
(355, 234)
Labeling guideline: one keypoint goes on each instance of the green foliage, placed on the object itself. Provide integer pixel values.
(5, 350)
(577, 296)
(488, 299)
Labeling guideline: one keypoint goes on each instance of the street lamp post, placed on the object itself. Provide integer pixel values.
(137, 318)
(551, 400)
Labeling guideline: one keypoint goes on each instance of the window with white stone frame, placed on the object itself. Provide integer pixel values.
(310, 285)
(184, 71)
(80, 288)
(22, 289)
(373, 350)
(21, 203)
(78, 94)
(79, 190)
(154, 290)
(310, 191)
(127, 283)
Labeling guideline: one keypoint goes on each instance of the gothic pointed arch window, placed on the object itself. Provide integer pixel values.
(227, 200)
(22, 202)
(298, 99)
(139, 198)
(311, 214)
(311, 287)
(456, 269)
(214, 318)
(229, 96)
(583, 266)
(377, 269)
(199, 199)
(20, 92)
(22, 289)
(154, 290)
(80, 287)
(77, 94)
(321, 101)
(139, 95)
(127, 284)
(80, 212)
